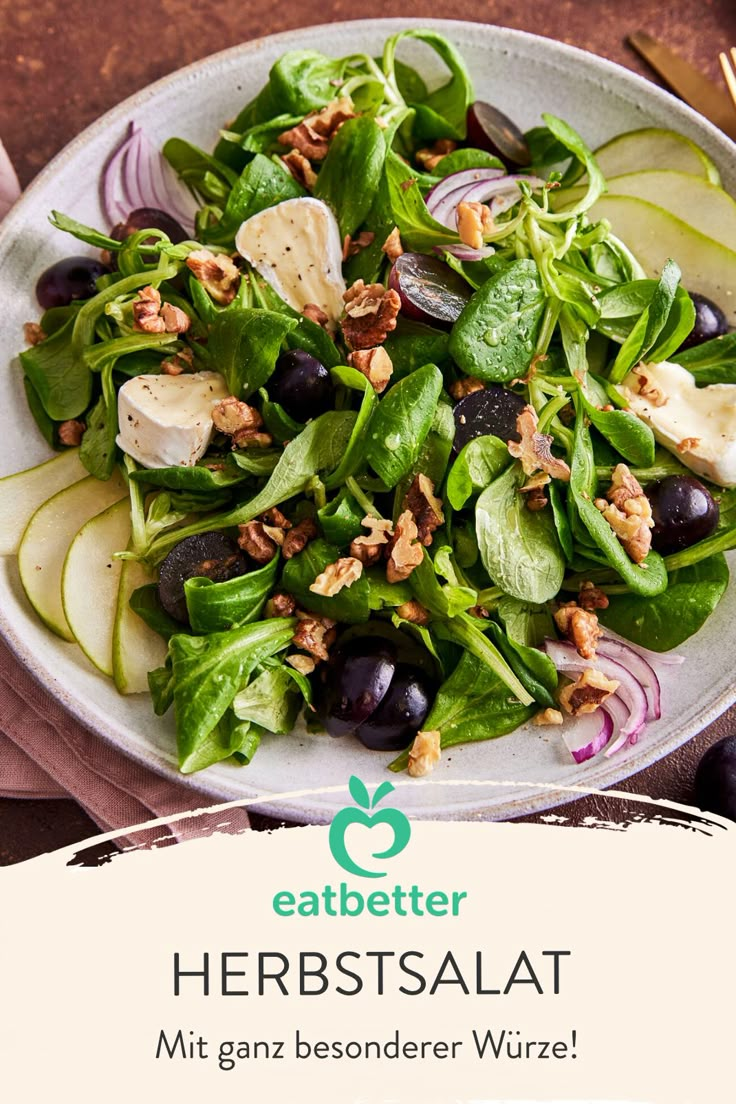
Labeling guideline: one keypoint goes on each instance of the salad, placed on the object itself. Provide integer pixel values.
(387, 416)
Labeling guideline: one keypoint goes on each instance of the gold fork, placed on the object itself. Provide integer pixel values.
(729, 71)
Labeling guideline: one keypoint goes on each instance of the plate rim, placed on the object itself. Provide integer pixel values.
(86, 712)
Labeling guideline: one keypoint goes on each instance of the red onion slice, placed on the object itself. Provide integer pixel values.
(460, 180)
(630, 690)
(465, 253)
(643, 672)
(137, 176)
(588, 735)
(656, 659)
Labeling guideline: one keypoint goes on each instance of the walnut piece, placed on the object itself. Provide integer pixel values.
(314, 635)
(300, 169)
(548, 717)
(473, 221)
(413, 611)
(406, 551)
(279, 605)
(368, 548)
(342, 573)
(298, 538)
(352, 246)
(32, 333)
(647, 388)
(312, 136)
(628, 512)
(425, 506)
(316, 314)
(424, 753)
(587, 692)
(240, 422)
(580, 626)
(430, 158)
(275, 517)
(71, 432)
(182, 361)
(688, 444)
(392, 246)
(150, 316)
(217, 274)
(534, 450)
(591, 597)
(468, 385)
(536, 499)
(254, 540)
(301, 663)
(370, 314)
(375, 364)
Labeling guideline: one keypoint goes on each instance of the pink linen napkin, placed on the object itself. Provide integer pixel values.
(44, 752)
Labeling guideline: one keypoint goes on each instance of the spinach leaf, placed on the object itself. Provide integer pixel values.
(146, 603)
(647, 330)
(305, 334)
(478, 464)
(472, 704)
(341, 520)
(561, 519)
(257, 462)
(278, 423)
(46, 425)
(596, 183)
(647, 578)
(271, 700)
(217, 607)
(409, 211)
(443, 112)
(628, 434)
(302, 81)
(208, 671)
(442, 600)
(262, 183)
(198, 479)
(412, 344)
(712, 362)
(465, 630)
(351, 604)
(264, 136)
(351, 377)
(61, 380)
(518, 547)
(461, 159)
(535, 670)
(97, 451)
(666, 620)
(83, 233)
(524, 622)
(351, 172)
(245, 345)
(434, 455)
(494, 337)
(200, 171)
(401, 423)
(386, 595)
(161, 687)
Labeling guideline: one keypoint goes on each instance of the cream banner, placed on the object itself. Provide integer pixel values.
(377, 960)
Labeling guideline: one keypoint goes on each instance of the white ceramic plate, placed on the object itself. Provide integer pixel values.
(522, 74)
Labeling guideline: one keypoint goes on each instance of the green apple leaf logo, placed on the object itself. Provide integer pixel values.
(358, 814)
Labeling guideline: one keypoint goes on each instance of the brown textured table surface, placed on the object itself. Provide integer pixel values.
(63, 65)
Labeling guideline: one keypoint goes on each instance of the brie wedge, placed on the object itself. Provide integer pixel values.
(166, 421)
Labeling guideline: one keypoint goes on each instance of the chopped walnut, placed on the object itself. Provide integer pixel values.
(298, 538)
(647, 388)
(275, 517)
(536, 499)
(254, 540)
(392, 246)
(312, 136)
(314, 635)
(405, 185)
(534, 449)
(413, 611)
(580, 626)
(430, 158)
(479, 611)
(32, 333)
(424, 753)
(175, 319)
(628, 512)
(687, 444)
(425, 506)
(548, 717)
(537, 359)
(468, 385)
(474, 220)
(71, 432)
(277, 535)
(370, 314)
(217, 274)
(300, 168)
(352, 246)
(342, 573)
(240, 422)
(368, 548)
(279, 605)
(183, 361)
(151, 316)
(406, 551)
(316, 314)
(587, 692)
(303, 664)
(375, 364)
(591, 597)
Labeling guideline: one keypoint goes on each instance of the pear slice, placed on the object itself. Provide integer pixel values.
(136, 649)
(90, 580)
(654, 148)
(702, 205)
(47, 537)
(653, 235)
(21, 494)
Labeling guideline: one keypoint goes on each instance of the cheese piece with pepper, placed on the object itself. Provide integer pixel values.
(697, 424)
(166, 421)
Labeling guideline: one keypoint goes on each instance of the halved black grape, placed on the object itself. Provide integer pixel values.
(356, 680)
(301, 385)
(72, 278)
(430, 290)
(401, 714)
(683, 510)
(710, 321)
(492, 411)
(212, 555)
(489, 129)
(149, 218)
(715, 779)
